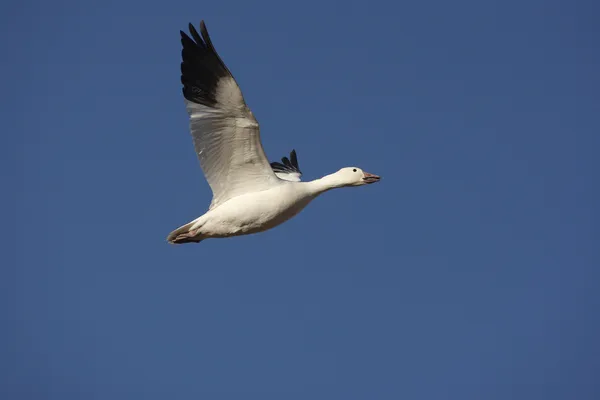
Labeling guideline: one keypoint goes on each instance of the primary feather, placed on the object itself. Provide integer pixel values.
(288, 169)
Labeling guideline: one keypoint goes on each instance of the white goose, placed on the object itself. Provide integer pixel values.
(249, 194)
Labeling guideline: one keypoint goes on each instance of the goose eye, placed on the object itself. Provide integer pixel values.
(354, 170)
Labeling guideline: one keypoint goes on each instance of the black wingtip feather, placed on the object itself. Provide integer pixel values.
(287, 164)
(294, 159)
(201, 67)
(206, 36)
(195, 35)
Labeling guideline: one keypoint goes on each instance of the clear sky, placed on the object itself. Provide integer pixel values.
(469, 272)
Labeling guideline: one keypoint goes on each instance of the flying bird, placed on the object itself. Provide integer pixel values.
(250, 194)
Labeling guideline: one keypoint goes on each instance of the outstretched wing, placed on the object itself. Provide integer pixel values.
(288, 169)
(225, 133)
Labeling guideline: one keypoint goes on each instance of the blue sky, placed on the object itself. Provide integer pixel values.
(469, 272)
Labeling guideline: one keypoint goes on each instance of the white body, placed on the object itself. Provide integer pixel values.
(254, 212)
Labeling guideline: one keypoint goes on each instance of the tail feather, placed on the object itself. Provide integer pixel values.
(185, 234)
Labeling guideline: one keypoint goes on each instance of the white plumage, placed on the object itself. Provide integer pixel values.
(249, 193)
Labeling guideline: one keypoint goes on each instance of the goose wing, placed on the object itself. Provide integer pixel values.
(225, 133)
(288, 168)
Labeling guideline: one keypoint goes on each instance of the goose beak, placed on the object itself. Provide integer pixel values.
(370, 178)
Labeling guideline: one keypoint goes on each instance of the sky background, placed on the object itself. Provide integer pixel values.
(469, 272)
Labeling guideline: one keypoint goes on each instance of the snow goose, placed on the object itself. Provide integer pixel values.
(249, 194)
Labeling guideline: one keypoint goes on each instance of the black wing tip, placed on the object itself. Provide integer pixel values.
(204, 31)
(193, 36)
(197, 39)
(294, 159)
(201, 66)
(287, 164)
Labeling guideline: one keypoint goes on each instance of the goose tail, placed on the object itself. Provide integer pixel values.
(188, 233)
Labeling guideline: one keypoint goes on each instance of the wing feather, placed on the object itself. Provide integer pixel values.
(225, 133)
(288, 168)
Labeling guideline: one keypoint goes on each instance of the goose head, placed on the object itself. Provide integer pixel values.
(354, 176)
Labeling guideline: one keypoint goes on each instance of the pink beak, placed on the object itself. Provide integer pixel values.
(370, 178)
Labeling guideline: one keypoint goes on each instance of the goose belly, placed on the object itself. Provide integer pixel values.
(254, 212)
